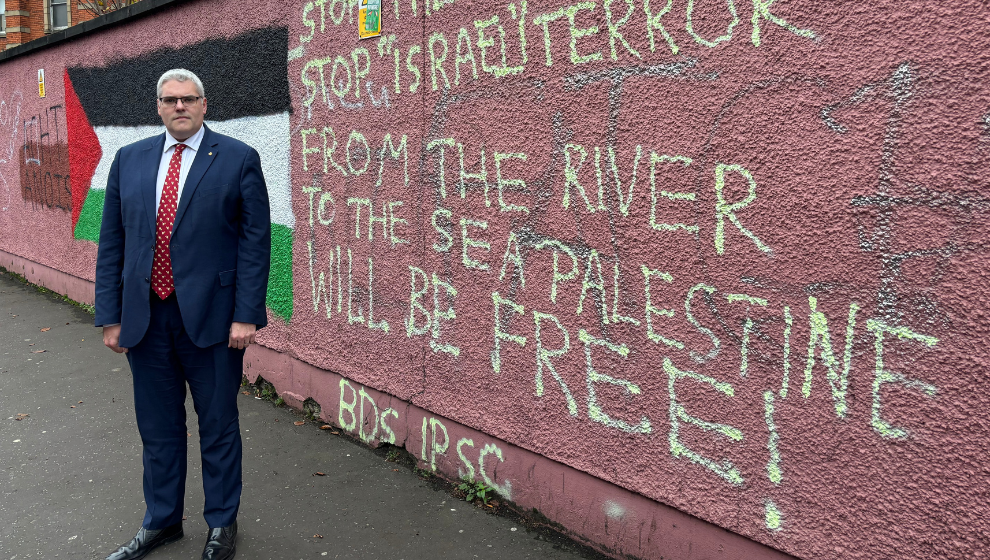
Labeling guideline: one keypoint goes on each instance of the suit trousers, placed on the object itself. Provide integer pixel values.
(162, 364)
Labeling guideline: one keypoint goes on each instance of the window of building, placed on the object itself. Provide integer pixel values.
(59, 12)
(3, 16)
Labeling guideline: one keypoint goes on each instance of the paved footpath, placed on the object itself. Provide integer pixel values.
(70, 470)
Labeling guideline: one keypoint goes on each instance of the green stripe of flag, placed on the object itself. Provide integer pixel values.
(279, 298)
(91, 215)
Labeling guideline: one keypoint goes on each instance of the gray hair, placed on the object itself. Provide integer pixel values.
(181, 75)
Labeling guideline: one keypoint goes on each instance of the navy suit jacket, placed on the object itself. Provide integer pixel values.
(220, 244)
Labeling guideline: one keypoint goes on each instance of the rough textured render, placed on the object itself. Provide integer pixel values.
(673, 273)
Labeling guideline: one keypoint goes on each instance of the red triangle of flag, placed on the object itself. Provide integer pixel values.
(84, 149)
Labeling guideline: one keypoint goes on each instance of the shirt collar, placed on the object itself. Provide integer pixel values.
(192, 143)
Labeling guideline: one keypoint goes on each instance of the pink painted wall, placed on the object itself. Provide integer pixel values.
(766, 313)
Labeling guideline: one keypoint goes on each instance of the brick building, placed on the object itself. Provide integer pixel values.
(25, 20)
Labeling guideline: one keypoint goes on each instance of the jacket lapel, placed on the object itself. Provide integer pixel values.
(149, 179)
(204, 158)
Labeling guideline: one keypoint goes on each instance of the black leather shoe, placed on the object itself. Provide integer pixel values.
(147, 540)
(220, 543)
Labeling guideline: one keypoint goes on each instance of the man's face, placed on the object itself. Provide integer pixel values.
(182, 120)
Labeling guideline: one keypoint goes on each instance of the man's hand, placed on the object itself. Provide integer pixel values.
(241, 335)
(111, 339)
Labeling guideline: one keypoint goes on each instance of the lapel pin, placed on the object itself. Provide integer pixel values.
(210, 154)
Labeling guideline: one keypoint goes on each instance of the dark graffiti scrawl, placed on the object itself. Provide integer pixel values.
(44, 160)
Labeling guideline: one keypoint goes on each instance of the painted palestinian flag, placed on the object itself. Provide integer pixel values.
(247, 87)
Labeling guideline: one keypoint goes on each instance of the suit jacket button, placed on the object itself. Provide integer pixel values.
(148, 280)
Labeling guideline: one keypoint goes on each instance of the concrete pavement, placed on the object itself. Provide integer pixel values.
(70, 467)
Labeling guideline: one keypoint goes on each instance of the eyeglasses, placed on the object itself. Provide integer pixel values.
(172, 101)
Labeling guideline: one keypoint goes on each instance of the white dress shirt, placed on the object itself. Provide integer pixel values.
(188, 155)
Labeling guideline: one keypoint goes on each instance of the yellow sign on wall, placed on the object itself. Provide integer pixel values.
(41, 82)
(370, 19)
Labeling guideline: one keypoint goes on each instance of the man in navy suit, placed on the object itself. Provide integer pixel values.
(181, 277)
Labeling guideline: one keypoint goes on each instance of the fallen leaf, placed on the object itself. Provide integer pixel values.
(72, 406)
(299, 423)
(13, 315)
(21, 416)
(318, 473)
(335, 433)
(245, 392)
(184, 518)
(80, 402)
(37, 351)
(66, 323)
(46, 329)
(188, 435)
(32, 344)
(326, 427)
(317, 536)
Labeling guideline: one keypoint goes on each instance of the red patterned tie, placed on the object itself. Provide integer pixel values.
(161, 269)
